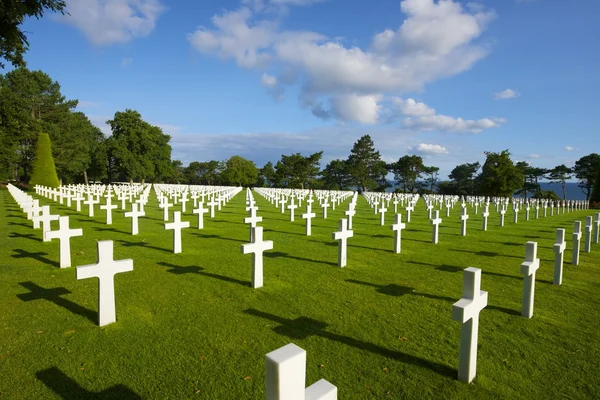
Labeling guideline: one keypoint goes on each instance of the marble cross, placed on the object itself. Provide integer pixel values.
(463, 222)
(485, 214)
(105, 271)
(350, 213)
(286, 376)
(409, 208)
(576, 242)
(134, 215)
(200, 211)
(528, 268)
(397, 228)
(176, 226)
(252, 220)
(165, 206)
(257, 247)
(292, 207)
(587, 246)
(382, 211)
(212, 203)
(342, 237)
(502, 212)
(45, 218)
(597, 228)
(325, 205)
(64, 235)
(559, 255)
(516, 214)
(90, 203)
(308, 217)
(466, 311)
(78, 199)
(108, 207)
(282, 203)
(436, 221)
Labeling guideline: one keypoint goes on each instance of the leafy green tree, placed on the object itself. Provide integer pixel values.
(335, 176)
(585, 170)
(139, 151)
(561, 174)
(546, 194)
(595, 197)
(531, 177)
(13, 41)
(297, 171)
(267, 177)
(177, 175)
(407, 170)
(432, 177)
(365, 165)
(463, 179)
(499, 175)
(98, 168)
(239, 172)
(44, 171)
(203, 173)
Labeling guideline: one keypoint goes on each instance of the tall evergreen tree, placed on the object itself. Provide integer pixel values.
(365, 165)
(499, 175)
(44, 171)
(585, 170)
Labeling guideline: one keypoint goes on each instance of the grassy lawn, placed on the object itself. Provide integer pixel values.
(190, 326)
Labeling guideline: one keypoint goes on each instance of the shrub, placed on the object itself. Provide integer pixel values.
(44, 171)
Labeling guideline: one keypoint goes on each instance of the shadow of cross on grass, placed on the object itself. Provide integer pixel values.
(194, 269)
(30, 236)
(145, 245)
(68, 389)
(37, 292)
(20, 253)
(304, 327)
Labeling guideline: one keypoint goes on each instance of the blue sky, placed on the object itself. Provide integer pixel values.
(444, 79)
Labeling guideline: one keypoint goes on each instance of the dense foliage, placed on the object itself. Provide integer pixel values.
(44, 171)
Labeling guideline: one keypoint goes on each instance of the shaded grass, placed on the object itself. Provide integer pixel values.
(190, 326)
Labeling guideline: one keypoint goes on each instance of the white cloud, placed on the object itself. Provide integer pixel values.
(412, 108)
(534, 155)
(100, 122)
(569, 148)
(506, 94)
(424, 148)
(435, 41)
(106, 22)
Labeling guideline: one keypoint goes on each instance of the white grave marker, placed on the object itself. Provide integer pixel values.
(436, 221)
(397, 228)
(463, 222)
(588, 234)
(200, 211)
(528, 268)
(576, 242)
(64, 235)
(342, 237)
(308, 217)
(134, 215)
(559, 254)
(257, 248)
(177, 225)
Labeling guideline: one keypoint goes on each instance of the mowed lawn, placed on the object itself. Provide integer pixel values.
(190, 326)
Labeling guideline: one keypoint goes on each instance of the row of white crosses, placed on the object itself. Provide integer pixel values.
(257, 245)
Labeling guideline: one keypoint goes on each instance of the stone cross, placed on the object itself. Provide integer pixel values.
(528, 268)
(105, 271)
(395, 202)
(45, 218)
(282, 203)
(409, 208)
(516, 213)
(177, 225)
(286, 375)
(134, 215)
(200, 211)
(382, 211)
(212, 203)
(587, 246)
(576, 242)
(252, 220)
(597, 228)
(559, 255)
(292, 207)
(463, 222)
(397, 228)
(108, 207)
(527, 208)
(342, 237)
(466, 311)
(165, 206)
(485, 214)
(350, 213)
(78, 199)
(376, 204)
(64, 235)
(502, 212)
(325, 205)
(436, 221)
(257, 247)
(429, 210)
(308, 217)
(90, 203)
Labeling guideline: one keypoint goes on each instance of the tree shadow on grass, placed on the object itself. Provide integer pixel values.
(487, 253)
(279, 254)
(68, 389)
(145, 245)
(39, 256)
(37, 292)
(304, 327)
(20, 224)
(89, 219)
(110, 230)
(194, 269)
(442, 267)
(205, 236)
(30, 236)
(284, 232)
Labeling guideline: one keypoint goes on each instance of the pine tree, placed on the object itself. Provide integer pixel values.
(365, 164)
(44, 171)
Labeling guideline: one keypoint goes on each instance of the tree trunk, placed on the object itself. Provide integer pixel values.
(85, 177)
(564, 190)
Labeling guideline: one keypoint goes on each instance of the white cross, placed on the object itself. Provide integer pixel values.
(376, 204)
(576, 242)
(90, 203)
(282, 203)
(122, 197)
(253, 219)
(485, 214)
(588, 234)
(395, 202)
(342, 237)
(308, 217)
(409, 208)
(463, 218)
(165, 206)
(64, 235)
(429, 210)
(597, 228)
(33, 210)
(134, 215)
(286, 375)
(200, 211)
(177, 225)
(257, 248)
(528, 268)
(559, 255)
(397, 227)
(183, 202)
(212, 203)
(78, 199)
(350, 213)
(108, 207)
(436, 221)
(502, 212)
(45, 218)
(382, 211)
(105, 271)
(466, 311)
(325, 205)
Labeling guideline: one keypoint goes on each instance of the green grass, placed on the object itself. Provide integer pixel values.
(190, 326)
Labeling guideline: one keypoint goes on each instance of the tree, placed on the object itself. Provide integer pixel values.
(267, 176)
(203, 173)
(239, 172)
(432, 176)
(13, 42)
(407, 170)
(560, 174)
(463, 179)
(44, 171)
(595, 197)
(297, 171)
(499, 175)
(335, 175)
(531, 177)
(365, 165)
(585, 170)
(138, 150)
(177, 175)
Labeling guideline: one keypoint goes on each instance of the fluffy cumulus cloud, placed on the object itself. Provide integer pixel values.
(425, 148)
(506, 94)
(106, 22)
(569, 148)
(437, 39)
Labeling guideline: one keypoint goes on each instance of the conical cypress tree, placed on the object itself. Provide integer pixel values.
(44, 170)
